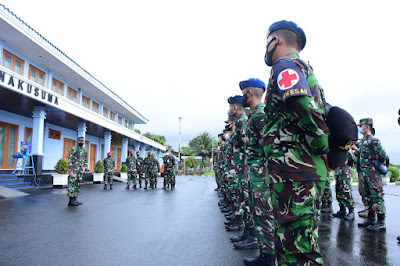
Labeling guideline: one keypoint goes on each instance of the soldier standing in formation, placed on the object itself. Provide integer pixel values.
(109, 164)
(296, 146)
(140, 170)
(77, 164)
(131, 163)
(169, 170)
(371, 150)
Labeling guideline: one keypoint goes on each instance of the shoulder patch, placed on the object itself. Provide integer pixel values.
(287, 79)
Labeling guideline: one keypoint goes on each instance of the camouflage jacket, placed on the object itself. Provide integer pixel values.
(370, 149)
(150, 165)
(255, 159)
(295, 133)
(131, 163)
(140, 164)
(77, 159)
(238, 140)
(109, 164)
(169, 163)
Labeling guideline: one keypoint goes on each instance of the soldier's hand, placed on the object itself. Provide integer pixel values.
(71, 173)
(325, 158)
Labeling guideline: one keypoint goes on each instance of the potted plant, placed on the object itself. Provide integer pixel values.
(98, 172)
(124, 171)
(61, 178)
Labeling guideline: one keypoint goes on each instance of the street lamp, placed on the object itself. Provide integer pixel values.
(179, 147)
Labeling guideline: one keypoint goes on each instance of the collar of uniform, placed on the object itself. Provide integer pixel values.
(240, 116)
(258, 107)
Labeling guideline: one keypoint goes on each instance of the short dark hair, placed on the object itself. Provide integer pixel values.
(290, 38)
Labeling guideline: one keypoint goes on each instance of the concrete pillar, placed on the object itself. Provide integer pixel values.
(82, 130)
(137, 146)
(39, 115)
(142, 150)
(124, 149)
(107, 142)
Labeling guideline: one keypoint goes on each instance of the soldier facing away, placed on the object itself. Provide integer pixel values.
(169, 170)
(131, 163)
(77, 163)
(109, 164)
(151, 169)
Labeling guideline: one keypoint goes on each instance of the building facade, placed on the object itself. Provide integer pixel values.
(47, 99)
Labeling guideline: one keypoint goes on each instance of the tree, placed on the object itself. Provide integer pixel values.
(190, 162)
(137, 131)
(157, 138)
(186, 151)
(202, 146)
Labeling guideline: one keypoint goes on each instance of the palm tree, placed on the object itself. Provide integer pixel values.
(202, 146)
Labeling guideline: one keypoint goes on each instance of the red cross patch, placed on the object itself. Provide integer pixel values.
(287, 79)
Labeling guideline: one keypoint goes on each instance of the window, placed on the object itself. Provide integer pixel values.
(119, 120)
(112, 116)
(72, 94)
(86, 102)
(126, 123)
(57, 86)
(28, 134)
(13, 62)
(105, 112)
(130, 125)
(95, 107)
(54, 134)
(36, 75)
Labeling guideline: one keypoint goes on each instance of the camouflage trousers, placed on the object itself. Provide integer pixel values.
(140, 177)
(263, 216)
(343, 190)
(169, 178)
(373, 191)
(243, 205)
(232, 185)
(361, 190)
(73, 184)
(327, 196)
(295, 207)
(108, 178)
(152, 178)
(131, 178)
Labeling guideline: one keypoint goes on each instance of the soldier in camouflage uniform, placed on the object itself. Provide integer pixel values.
(140, 170)
(229, 171)
(131, 163)
(169, 170)
(151, 169)
(326, 205)
(109, 164)
(77, 163)
(296, 146)
(239, 183)
(369, 151)
(260, 193)
(343, 190)
(221, 169)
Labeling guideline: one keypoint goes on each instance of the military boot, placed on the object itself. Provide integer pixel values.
(262, 259)
(155, 185)
(380, 225)
(327, 209)
(105, 186)
(145, 186)
(350, 215)
(371, 220)
(134, 187)
(363, 213)
(127, 186)
(228, 208)
(72, 201)
(172, 187)
(237, 225)
(341, 213)
(251, 242)
(164, 187)
(110, 186)
(222, 202)
(78, 202)
(229, 213)
(240, 237)
(398, 238)
(220, 194)
(231, 216)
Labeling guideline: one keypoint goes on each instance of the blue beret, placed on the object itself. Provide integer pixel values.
(235, 99)
(289, 25)
(252, 83)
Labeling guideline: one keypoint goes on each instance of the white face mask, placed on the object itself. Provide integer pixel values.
(227, 136)
(361, 131)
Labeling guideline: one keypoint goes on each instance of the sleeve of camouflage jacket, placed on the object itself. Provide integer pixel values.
(70, 159)
(297, 97)
(86, 161)
(378, 152)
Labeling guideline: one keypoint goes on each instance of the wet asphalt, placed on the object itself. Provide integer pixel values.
(162, 227)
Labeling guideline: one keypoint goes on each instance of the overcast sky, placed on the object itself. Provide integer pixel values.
(184, 58)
